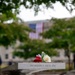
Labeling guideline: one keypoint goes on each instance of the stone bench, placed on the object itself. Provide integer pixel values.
(31, 68)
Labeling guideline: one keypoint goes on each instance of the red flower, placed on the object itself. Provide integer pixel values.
(37, 59)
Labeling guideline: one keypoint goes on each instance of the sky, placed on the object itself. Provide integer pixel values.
(58, 12)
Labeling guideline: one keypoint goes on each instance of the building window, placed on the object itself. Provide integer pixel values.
(6, 56)
(66, 53)
(13, 57)
(58, 55)
(32, 26)
(6, 48)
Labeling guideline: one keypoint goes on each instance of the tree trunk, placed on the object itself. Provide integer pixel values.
(68, 55)
(74, 60)
(69, 64)
(69, 60)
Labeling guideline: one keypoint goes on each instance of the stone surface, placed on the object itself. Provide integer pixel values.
(72, 72)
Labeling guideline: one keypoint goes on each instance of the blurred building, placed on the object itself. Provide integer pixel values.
(37, 27)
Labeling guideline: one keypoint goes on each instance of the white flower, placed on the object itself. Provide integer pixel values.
(46, 58)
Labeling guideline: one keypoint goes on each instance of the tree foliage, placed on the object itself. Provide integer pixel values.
(9, 9)
(9, 33)
(7, 6)
(62, 33)
(32, 48)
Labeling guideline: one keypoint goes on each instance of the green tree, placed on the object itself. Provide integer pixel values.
(10, 33)
(32, 48)
(9, 7)
(8, 11)
(62, 33)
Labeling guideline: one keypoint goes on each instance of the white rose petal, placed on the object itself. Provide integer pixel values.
(46, 58)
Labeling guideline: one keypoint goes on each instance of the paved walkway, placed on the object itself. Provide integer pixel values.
(72, 72)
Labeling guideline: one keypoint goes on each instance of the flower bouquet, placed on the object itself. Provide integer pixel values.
(42, 58)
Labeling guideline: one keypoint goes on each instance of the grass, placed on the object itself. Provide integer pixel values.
(71, 66)
(3, 66)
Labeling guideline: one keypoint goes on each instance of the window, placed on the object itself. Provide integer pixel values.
(32, 26)
(58, 55)
(6, 48)
(13, 57)
(66, 53)
(6, 56)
